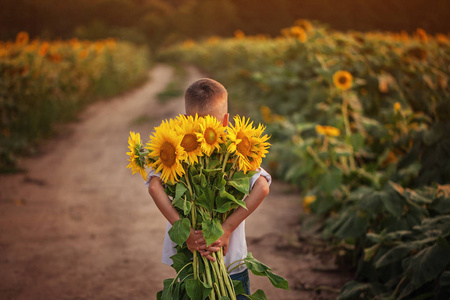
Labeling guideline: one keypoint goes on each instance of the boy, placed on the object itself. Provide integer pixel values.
(209, 97)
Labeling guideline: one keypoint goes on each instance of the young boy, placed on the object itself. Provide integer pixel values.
(209, 97)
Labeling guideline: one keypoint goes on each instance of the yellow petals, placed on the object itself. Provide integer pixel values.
(212, 134)
(307, 203)
(239, 34)
(135, 146)
(165, 148)
(343, 80)
(397, 107)
(327, 130)
(22, 38)
(247, 143)
(188, 127)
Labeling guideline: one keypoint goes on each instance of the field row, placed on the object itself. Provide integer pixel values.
(45, 82)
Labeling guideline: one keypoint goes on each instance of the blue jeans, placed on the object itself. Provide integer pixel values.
(245, 279)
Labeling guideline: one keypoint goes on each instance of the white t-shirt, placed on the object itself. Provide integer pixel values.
(237, 247)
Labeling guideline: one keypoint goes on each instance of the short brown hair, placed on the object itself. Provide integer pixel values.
(203, 94)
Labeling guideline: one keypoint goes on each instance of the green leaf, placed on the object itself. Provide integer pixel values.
(197, 290)
(429, 263)
(360, 290)
(220, 182)
(354, 224)
(255, 266)
(393, 204)
(205, 200)
(224, 298)
(258, 295)
(180, 231)
(395, 254)
(179, 191)
(238, 287)
(183, 204)
(357, 141)
(224, 207)
(331, 180)
(212, 230)
(224, 195)
(168, 290)
(241, 181)
(179, 261)
(277, 281)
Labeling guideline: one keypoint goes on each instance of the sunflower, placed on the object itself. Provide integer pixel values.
(165, 148)
(22, 38)
(327, 130)
(343, 80)
(307, 203)
(243, 143)
(187, 127)
(212, 134)
(135, 146)
(262, 147)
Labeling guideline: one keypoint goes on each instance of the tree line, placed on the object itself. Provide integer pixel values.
(159, 22)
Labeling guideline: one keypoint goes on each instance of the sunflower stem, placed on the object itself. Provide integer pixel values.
(225, 275)
(225, 161)
(208, 276)
(219, 276)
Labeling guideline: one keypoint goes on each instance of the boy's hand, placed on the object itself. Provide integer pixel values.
(222, 242)
(195, 241)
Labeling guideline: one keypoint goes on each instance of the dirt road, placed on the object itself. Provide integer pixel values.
(77, 225)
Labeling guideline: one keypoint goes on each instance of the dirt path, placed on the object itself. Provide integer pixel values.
(77, 225)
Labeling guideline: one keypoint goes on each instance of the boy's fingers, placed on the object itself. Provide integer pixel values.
(202, 247)
(209, 257)
(200, 241)
(213, 249)
(215, 244)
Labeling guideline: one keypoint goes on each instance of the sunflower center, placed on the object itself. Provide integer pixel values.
(167, 154)
(342, 80)
(244, 146)
(210, 135)
(189, 142)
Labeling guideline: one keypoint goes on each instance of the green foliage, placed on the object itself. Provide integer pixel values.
(260, 269)
(43, 83)
(180, 231)
(375, 155)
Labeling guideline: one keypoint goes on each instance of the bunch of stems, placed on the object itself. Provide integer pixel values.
(215, 273)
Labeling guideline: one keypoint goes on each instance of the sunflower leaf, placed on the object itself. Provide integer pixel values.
(224, 195)
(212, 230)
(241, 181)
(258, 295)
(180, 231)
(277, 281)
(179, 191)
(183, 204)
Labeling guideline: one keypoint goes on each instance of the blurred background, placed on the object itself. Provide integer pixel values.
(159, 22)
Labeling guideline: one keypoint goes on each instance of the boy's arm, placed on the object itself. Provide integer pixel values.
(254, 199)
(162, 201)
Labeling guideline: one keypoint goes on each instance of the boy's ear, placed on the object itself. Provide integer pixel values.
(225, 119)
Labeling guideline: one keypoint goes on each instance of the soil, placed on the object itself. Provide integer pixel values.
(76, 225)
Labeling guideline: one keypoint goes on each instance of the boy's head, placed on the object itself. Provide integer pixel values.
(207, 97)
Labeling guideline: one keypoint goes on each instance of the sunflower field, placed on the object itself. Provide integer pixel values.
(360, 122)
(45, 82)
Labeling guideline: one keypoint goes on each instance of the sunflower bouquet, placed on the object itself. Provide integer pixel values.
(206, 169)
